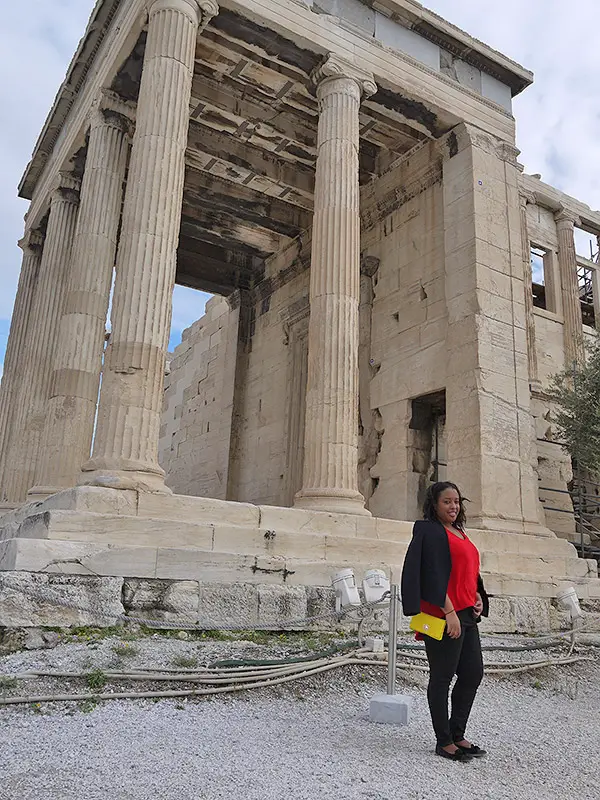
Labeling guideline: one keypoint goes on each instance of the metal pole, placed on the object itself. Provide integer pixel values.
(392, 639)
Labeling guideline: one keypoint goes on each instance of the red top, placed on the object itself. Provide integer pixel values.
(462, 586)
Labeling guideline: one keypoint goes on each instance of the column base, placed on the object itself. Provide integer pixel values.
(332, 500)
(123, 475)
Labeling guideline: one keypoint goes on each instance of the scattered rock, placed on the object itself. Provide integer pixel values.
(33, 639)
(51, 638)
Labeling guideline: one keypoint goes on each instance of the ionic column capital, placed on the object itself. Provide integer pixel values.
(336, 67)
(208, 10)
(112, 110)
(32, 241)
(565, 218)
(201, 11)
(66, 187)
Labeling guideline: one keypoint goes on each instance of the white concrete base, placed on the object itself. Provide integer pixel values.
(390, 709)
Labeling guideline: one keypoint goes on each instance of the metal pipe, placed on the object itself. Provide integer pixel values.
(392, 639)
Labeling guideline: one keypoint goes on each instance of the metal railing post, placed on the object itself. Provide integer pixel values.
(392, 639)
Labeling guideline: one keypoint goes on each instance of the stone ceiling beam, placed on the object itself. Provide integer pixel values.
(245, 160)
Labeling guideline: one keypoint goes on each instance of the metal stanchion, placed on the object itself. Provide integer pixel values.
(392, 639)
(391, 708)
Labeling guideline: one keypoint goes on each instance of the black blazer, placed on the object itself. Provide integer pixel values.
(426, 570)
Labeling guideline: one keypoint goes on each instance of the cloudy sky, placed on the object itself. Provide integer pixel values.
(558, 118)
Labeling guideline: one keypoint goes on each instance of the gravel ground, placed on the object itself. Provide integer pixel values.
(310, 740)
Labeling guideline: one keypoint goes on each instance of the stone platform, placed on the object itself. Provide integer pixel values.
(168, 540)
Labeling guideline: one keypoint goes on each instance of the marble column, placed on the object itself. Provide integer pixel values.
(46, 313)
(74, 386)
(567, 264)
(125, 451)
(534, 380)
(20, 332)
(330, 475)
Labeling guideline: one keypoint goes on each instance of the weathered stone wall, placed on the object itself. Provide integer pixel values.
(408, 331)
(198, 401)
(30, 600)
(269, 429)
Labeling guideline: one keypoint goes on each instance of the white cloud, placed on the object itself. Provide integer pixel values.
(557, 118)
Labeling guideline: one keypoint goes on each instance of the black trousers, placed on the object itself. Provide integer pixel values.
(447, 658)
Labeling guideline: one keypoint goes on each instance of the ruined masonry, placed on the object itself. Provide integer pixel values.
(394, 295)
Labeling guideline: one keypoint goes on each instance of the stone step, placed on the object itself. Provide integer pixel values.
(508, 563)
(219, 512)
(148, 532)
(509, 585)
(531, 555)
(521, 544)
(190, 563)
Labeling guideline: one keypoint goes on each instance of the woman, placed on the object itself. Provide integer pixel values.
(441, 577)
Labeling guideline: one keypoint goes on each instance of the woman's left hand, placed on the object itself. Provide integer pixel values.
(478, 607)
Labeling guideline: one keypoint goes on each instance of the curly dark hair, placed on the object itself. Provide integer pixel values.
(432, 497)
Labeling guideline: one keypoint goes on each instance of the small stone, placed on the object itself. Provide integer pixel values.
(183, 635)
(51, 638)
(11, 640)
(33, 640)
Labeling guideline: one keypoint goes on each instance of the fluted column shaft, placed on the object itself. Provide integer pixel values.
(20, 332)
(46, 313)
(534, 380)
(126, 443)
(74, 385)
(567, 262)
(330, 478)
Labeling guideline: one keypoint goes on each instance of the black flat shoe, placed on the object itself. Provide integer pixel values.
(459, 755)
(473, 751)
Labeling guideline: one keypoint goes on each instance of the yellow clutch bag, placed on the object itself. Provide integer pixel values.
(428, 625)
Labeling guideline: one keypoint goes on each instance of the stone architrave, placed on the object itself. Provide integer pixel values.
(75, 380)
(534, 380)
(330, 475)
(567, 264)
(125, 451)
(10, 396)
(42, 339)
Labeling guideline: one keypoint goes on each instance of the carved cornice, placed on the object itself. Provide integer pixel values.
(337, 67)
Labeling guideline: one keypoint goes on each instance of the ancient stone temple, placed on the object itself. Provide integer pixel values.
(343, 174)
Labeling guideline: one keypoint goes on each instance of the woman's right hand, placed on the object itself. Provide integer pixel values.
(453, 625)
